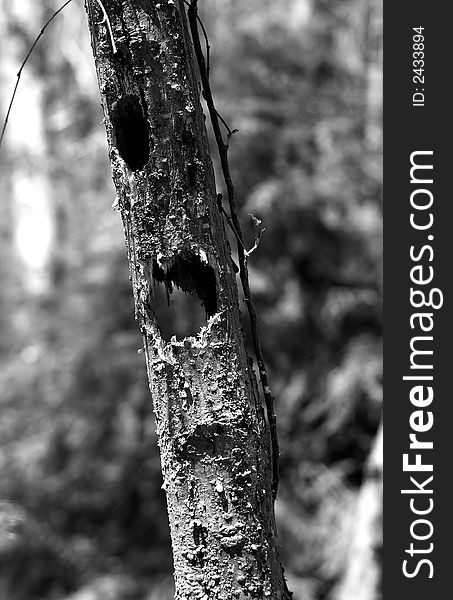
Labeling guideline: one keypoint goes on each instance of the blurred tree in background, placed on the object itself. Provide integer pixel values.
(82, 515)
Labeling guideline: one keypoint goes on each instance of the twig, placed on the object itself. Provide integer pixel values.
(256, 222)
(106, 20)
(258, 231)
(243, 270)
(206, 39)
(229, 221)
(230, 131)
(208, 67)
(19, 73)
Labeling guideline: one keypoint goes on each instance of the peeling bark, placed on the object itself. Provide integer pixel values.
(213, 437)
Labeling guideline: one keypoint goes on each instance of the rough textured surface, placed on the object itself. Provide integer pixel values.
(213, 437)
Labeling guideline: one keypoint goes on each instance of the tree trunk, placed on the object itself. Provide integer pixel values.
(213, 437)
(363, 574)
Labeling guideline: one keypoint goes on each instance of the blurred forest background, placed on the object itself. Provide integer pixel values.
(82, 513)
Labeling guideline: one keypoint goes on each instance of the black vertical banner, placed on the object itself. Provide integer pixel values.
(418, 268)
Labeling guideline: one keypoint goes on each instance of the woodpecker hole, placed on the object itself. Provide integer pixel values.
(131, 131)
(192, 175)
(190, 296)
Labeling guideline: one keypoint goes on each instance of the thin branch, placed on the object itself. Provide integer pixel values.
(258, 231)
(206, 39)
(106, 20)
(230, 131)
(32, 47)
(243, 270)
(229, 221)
(208, 67)
(256, 222)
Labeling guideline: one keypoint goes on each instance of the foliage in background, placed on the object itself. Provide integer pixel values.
(83, 513)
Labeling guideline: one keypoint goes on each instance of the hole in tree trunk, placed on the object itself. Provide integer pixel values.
(131, 132)
(190, 296)
(192, 175)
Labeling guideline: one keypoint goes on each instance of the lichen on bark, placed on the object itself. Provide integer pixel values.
(213, 437)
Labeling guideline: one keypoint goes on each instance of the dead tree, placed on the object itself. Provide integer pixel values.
(213, 436)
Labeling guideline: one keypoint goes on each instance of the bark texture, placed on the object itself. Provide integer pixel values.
(213, 437)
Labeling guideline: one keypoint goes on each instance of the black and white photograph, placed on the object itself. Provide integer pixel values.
(191, 301)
